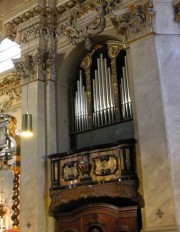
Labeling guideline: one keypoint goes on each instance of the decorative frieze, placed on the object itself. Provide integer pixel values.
(79, 21)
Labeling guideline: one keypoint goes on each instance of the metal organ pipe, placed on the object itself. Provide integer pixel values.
(80, 105)
(103, 94)
(124, 93)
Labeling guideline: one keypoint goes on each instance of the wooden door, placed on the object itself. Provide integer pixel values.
(99, 218)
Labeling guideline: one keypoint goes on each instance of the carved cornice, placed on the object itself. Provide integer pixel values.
(134, 21)
(10, 92)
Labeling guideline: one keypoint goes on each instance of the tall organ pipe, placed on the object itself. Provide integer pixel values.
(80, 105)
(103, 93)
(125, 95)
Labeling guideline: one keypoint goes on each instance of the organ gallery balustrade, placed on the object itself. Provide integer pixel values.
(92, 172)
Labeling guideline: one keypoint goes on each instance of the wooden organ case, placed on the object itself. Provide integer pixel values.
(94, 185)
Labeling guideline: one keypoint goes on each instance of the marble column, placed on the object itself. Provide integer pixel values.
(155, 85)
(167, 43)
(151, 137)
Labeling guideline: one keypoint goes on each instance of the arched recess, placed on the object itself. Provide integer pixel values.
(67, 63)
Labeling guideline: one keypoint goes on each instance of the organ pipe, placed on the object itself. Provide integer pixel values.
(102, 97)
(103, 94)
(124, 93)
(80, 105)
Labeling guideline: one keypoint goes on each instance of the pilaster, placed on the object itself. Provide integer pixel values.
(36, 70)
(155, 74)
(151, 136)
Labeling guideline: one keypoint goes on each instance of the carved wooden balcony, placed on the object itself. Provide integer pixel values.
(98, 172)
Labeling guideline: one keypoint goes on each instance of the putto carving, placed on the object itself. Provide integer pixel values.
(137, 21)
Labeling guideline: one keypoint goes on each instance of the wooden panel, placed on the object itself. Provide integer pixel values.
(99, 218)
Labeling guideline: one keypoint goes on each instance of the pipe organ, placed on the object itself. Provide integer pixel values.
(99, 87)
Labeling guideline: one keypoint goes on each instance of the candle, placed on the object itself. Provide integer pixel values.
(7, 222)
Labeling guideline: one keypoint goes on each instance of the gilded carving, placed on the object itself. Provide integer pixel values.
(89, 102)
(136, 22)
(105, 165)
(70, 171)
(114, 49)
(86, 62)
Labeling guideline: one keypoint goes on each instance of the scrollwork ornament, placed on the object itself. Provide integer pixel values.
(77, 33)
(86, 62)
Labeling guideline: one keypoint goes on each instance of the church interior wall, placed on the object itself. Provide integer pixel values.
(154, 87)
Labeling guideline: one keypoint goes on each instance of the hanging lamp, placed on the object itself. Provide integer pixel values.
(27, 125)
